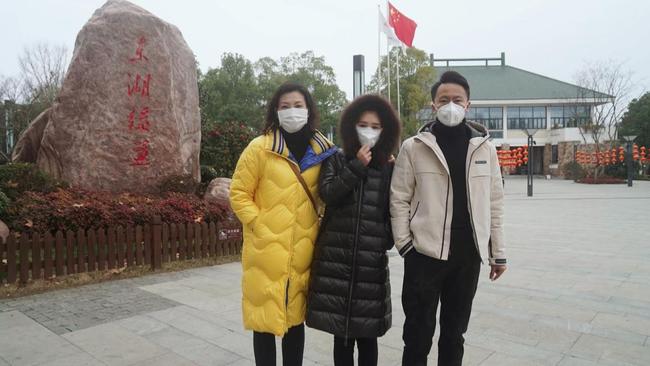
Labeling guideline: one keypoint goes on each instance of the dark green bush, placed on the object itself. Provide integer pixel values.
(222, 143)
(208, 173)
(17, 178)
(179, 184)
(4, 204)
(620, 170)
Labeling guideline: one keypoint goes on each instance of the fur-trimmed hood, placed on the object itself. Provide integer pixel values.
(391, 126)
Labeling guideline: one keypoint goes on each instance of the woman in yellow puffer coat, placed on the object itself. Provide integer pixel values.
(280, 221)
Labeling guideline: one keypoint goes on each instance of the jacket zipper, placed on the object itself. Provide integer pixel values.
(286, 296)
(286, 292)
(444, 222)
(469, 200)
(354, 263)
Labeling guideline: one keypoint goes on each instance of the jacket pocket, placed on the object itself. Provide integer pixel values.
(480, 165)
(480, 170)
(428, 170)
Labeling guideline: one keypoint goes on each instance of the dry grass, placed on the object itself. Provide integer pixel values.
(8, 291)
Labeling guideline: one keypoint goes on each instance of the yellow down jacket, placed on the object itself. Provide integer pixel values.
(280, 227)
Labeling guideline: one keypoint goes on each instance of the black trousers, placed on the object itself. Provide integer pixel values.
(428, 281)
(293, 345)
(344, 351)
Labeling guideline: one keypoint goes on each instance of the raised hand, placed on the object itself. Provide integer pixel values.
(364, 155)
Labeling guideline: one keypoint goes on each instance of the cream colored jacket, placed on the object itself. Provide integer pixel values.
(422, 196)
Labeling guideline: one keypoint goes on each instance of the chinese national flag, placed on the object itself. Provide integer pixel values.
(403, 25)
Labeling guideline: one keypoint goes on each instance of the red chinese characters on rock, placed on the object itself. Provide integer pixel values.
(143, 123)
(139, 52)
(139, 122)
(139, 85)
(141, 153)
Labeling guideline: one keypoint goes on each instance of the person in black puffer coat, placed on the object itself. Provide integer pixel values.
(349, 292)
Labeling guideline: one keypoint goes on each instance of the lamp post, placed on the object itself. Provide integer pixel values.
(628, 158)
(8, 125)
(359, 79)
(531, 142)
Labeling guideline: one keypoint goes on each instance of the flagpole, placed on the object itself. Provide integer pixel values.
(388, 58)
(399, 114)
(379, 76)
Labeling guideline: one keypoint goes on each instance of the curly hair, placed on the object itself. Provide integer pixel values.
(272, 122)
(390, 124)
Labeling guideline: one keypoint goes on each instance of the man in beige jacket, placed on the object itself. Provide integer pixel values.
(446, 203)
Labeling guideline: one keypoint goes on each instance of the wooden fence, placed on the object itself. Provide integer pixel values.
(43, 256)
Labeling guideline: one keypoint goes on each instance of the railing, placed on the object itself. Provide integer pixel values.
(527, 123)
(43, 256)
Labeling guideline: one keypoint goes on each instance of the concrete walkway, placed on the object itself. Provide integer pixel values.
(577, 293)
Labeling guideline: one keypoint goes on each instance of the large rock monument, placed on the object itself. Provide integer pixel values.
(127, 115)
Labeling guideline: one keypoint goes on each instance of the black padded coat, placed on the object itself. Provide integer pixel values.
(349, 292)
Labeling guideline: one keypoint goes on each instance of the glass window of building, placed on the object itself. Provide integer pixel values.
(569, 115)
(557, 116)
(526, 118)
(496, 118)
(490, 117)
(482, 113)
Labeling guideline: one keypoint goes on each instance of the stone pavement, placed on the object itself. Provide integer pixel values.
(577, 293)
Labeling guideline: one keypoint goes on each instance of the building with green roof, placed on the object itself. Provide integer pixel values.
(512, 102)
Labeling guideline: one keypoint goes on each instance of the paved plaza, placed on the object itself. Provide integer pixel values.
(577, 292)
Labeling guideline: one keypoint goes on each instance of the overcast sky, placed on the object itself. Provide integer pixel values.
(551, 37)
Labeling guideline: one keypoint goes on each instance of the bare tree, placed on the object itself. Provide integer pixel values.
(608, 85)
(33, 90)
(3, 86)
(42, 69)
(11, 89)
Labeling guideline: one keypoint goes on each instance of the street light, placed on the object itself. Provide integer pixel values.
(628, 159)
(530, 132)
(359, 78)
(8, 125)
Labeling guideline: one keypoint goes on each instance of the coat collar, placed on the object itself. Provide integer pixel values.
(318, 150)
(274, 141)
(478, 132)
(479, 135)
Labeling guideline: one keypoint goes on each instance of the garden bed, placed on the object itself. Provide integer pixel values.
(61, 236)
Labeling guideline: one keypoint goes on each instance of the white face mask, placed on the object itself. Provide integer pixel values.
(451, 114)
(293, 119)
(368, 135)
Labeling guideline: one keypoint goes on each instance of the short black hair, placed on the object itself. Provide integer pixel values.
(272, 122)
(450, 77)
